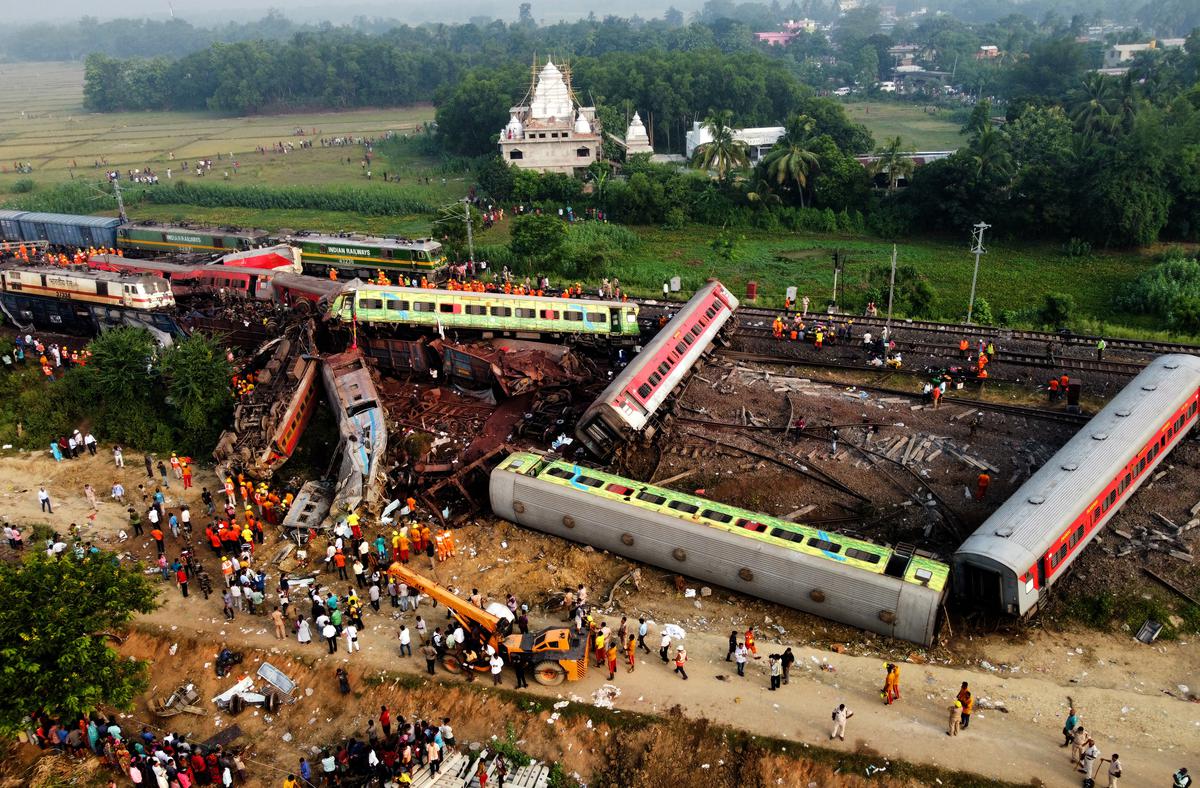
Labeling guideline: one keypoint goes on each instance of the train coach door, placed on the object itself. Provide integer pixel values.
(614, 320)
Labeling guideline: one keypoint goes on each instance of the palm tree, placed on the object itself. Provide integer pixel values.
(1094, 104)
(722, 154)
(792, 158)
(893, 160)
(990, 156)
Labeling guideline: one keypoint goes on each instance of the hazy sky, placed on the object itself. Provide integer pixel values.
(214, 11)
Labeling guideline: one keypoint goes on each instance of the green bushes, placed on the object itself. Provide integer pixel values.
(133, 396)
(23, 186)
(1170, 291)
(383, 201)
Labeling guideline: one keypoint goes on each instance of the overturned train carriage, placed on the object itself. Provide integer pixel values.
(892, 592)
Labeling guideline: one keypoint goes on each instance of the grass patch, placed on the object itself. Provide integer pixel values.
(1107, 611)
(920, 129)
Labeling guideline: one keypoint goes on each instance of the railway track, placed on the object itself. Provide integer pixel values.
(1127, 368)
(745, 314)
(1061, 417)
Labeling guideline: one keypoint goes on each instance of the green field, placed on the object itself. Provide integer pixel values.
(920, 130)
(42, 122)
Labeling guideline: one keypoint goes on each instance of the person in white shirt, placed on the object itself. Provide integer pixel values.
(330, 633)
(663, 647)
(405, 641)
(497, 665)
(840, 715)
(351, 632)
(740, 655)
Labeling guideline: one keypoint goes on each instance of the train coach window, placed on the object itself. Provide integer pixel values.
(597, 317)
(549, 314)
(1124, 484)
(824, 544)
(644, 390)
(664, 368)
(501, 311)
(750, 525)
(619, 489)
(697, 331)
(654, 379)
(397, 306)
(783, 533)
(423, 306)
(681, 348)
(1192, 409)
(591, 481)
(683, 506)
(1076, 535)
(371, 303)
(574, 317)
(1109, 500)
(687, 340)
(1141, 466)
(862, 555)
(720, 517)
(475, 309)
(650, 497)
(527, 313)
(710, 313)
(1058, 556)
(560, 473)
(449, 309)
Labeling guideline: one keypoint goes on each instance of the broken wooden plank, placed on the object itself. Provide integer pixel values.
(933, 455)
(1164, 520)
(1195, 510)
(675, 478)
(803, 510)
(1164, 581)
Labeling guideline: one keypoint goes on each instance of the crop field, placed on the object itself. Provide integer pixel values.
(42, 123)
(920, 130)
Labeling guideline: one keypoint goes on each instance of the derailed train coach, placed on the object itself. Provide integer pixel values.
(892, 591)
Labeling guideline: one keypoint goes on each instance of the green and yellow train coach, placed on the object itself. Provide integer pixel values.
(497, 313)
(890, 590)
(362, 256)
(162, 239)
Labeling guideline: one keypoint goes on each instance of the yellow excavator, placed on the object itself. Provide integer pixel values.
(555, 654)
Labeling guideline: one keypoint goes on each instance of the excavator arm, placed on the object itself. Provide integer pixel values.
(463, 609)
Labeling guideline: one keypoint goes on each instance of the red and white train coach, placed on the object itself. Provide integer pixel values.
(629, 405)
(1027, 545)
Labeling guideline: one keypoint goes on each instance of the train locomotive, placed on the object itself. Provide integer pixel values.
(350, 254)
(1011, 561)
(892, 591)
(628, 405)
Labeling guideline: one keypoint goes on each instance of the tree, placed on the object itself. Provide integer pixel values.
(537, 237)
(1056, 309)
(791, 161)
(123, 359)
(990, 157)
(197, 374)
(895, 161)
(54, 614)
(722, 154)
(525, 16)
(673, 17)
(1093, 103)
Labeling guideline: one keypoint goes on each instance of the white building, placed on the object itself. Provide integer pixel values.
(758, 140)
(1122, 53)
(636, 138)
(549, 131)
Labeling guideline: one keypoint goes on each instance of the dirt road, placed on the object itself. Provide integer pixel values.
(1117, 685)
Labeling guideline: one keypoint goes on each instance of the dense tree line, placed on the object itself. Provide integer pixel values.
(1113, 161)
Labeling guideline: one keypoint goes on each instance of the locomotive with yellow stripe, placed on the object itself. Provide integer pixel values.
(184, 239)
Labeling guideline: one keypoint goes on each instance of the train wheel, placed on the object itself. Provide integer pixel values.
(451, 663)
(549, 674)
(302, 306)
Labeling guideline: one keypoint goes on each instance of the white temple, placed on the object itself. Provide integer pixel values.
(549, 131)
(636, 138)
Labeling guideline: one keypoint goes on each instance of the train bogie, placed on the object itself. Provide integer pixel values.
(629, 404)
(1027, 545)
(898, 595)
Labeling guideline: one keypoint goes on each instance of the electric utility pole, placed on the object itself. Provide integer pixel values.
(887, 330)
(977, 250)
(470, 234)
